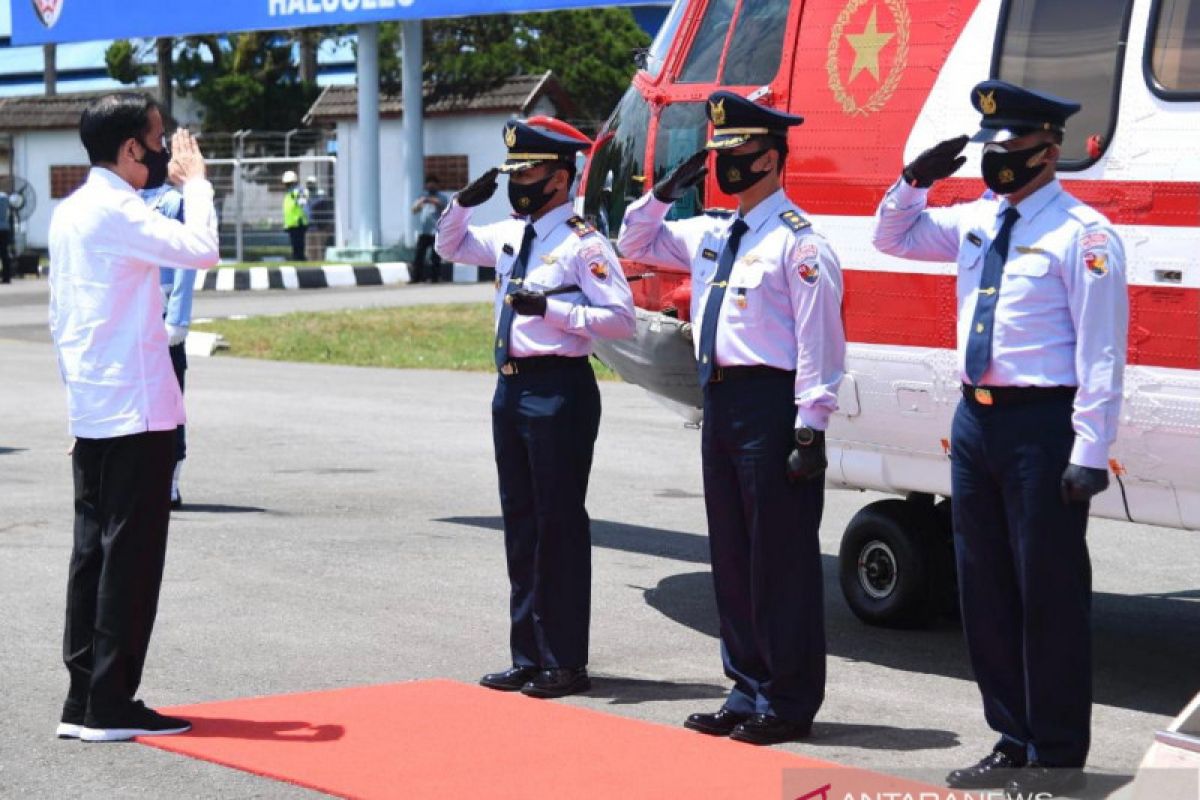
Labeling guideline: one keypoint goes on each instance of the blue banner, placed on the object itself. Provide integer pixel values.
(44, 21)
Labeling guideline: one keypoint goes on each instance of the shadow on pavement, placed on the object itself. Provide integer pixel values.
(4, 451)
(1144, 645)
(217, 508)
(281, 731)
(880, 737)
(627, 691)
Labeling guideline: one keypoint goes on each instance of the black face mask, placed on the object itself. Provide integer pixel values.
(155, 161)
(734, 174)
(529, 198)
(1008, 171)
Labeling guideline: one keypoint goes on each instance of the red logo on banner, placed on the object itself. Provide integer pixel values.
(48, 11)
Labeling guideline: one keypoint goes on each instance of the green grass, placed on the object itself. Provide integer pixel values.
(455, 337)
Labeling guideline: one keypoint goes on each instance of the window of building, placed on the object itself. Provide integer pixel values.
(755, 46)
(1173, 52)
(682, 130)
(1048, 45)
(66, 178)
(451, 171)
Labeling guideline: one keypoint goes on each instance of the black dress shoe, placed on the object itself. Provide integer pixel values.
(768, 729)
(721, 723)
(557, 683)
(511, 680)
(1042, 782)
(993, 771)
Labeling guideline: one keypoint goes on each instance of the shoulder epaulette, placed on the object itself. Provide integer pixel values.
(580, 226)
(719, 213)
(794, 220)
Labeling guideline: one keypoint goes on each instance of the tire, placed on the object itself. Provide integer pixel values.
(892, 564)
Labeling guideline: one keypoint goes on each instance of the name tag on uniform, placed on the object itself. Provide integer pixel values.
(973, 239)
(508, 249)
(1030, 250)
(711, 255)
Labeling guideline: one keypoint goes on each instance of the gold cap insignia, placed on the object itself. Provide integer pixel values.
(510, 136)
(717, 112)
(987, 102)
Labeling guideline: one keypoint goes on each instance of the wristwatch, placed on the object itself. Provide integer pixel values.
(805, 436)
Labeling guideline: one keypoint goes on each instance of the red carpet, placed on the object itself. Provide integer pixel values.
(446, 740)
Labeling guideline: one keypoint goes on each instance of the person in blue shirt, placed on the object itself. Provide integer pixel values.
(177, 288)
(1043, 318)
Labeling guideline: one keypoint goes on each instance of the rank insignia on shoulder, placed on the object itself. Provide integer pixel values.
(974, 239)
(794, 221)
(709, 253)
(599, 269)
(580, 226)
(508, 249)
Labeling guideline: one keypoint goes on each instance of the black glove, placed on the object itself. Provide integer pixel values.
(683, 177)
(530, 304)
(1081, 484)
(479, 190)
(940, 161)
(806, 461)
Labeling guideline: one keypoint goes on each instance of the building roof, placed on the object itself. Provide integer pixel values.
(38, 112)
(517, 94)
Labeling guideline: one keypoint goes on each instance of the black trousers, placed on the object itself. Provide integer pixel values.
(179, 362)
(1024, 576)
(425, 247)
(296, 235)
(122, 508)
(766, 557)
(6, 263)
(544, 425)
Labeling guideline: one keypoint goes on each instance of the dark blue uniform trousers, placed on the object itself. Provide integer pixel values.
(1024, 575)
(766, 560)
(544, 425)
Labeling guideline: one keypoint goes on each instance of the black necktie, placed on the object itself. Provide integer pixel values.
(712, 308)
(979, 341)
(515, 281)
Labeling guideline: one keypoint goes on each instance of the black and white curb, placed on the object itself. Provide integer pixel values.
(289, 277)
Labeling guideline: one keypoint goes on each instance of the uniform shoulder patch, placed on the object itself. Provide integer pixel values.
(794, 220)
(1094, 245)
(718, 213)
(806, 260)
(580, 226)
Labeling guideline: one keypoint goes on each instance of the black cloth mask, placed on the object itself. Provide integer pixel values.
(529, 198)
(155, 161)
(1008, 171)
(734, 174)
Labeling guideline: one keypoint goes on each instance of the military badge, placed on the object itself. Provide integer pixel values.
(599, 269)
(709, 254)
(1006, 176)
(987, 102)
(808, 263)
(1096, 262)
(717, 112)
(510, 136)
(1094, 239)
(740, 298)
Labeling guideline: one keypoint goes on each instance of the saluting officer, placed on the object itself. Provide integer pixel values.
(1042, 324)
(770, 352)
(558, 285)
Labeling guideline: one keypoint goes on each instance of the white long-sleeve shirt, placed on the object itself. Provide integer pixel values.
(106, 307)
(1062, 317)
(566, 251)
(783, 306)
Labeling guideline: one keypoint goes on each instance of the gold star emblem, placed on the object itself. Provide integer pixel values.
(867, 46)
(987, 102)
(510, 137)
(717, 112)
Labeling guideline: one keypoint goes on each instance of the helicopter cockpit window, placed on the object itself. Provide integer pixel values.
(757, 47)
(1049, 46)
(705, 55)
(656, 56)
(617, 173)
(682, 130)
(1174, 50)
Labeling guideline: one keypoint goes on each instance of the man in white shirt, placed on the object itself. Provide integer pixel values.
(106, 311)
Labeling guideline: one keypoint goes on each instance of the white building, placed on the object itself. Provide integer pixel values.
(463, 138)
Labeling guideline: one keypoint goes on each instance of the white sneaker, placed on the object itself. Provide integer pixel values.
(68, 730)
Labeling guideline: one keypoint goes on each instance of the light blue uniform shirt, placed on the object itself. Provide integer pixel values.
(1062, 317)
(562, 254)
(783, 305)
(177, 284)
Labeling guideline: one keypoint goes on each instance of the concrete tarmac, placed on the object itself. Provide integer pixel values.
(342, 528)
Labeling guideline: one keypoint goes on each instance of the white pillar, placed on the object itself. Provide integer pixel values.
(414, 123)
(366, 178)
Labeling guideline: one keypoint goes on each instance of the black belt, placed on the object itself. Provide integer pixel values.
(521, 366)
(1014, 395)
(721, 374)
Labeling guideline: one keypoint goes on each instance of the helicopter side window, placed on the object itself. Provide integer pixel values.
(682, 130)
(616, 174)
(1173, 52)
(757, 47)
(705, 54)
(656, 56)
(1050, 46)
